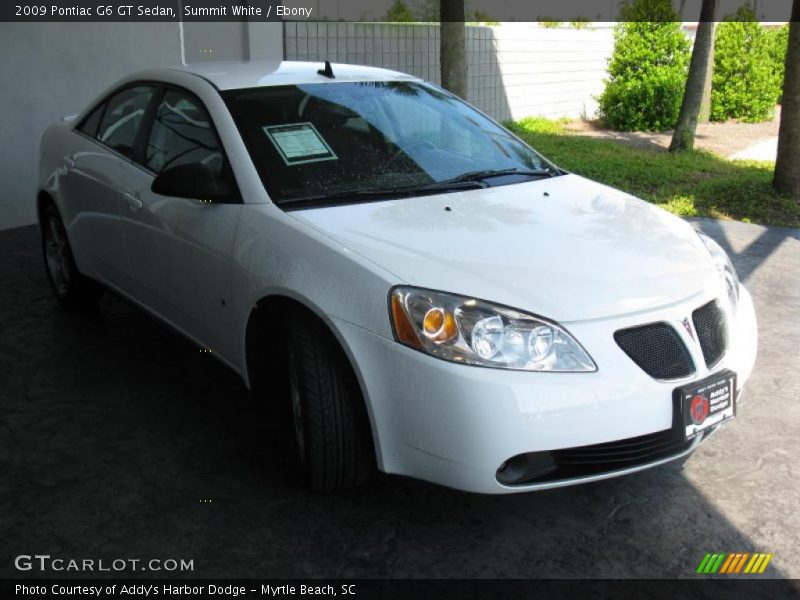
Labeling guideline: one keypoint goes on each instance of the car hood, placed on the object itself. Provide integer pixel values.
(566, 248)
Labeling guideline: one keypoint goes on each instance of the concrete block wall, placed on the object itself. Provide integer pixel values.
(410, 48)
(552, 72)
(515, 69)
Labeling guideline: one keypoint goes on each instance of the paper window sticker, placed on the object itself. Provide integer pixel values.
(299, 143)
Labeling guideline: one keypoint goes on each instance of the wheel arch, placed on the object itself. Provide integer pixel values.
(269, 315)
(43, 199)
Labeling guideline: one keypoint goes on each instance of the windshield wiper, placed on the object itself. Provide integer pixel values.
(485, 174)
(398, 192)
(470, 180)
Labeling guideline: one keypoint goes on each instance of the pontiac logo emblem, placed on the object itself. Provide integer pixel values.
(687, 325)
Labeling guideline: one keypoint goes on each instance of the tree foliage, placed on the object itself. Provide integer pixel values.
(647, 71)
(399, 12)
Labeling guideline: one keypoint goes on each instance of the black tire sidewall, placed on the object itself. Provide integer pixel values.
(81, 292)
(338, 444)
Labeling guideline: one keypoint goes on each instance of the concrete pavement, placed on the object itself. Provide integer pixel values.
(120, 439)
(766, 150)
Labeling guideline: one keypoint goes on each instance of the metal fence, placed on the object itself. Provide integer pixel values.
(515, 69)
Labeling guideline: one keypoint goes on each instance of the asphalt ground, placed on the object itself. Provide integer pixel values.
(120, 439)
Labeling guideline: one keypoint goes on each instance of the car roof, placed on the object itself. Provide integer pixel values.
(258, 73)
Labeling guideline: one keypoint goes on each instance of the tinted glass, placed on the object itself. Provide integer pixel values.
(90, 123)
(318, 139)
(182, 133)
(123, 117)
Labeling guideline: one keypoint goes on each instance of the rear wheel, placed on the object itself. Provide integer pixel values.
(72, 289)
(330, 423)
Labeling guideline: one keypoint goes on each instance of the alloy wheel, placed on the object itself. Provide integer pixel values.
(58, 256)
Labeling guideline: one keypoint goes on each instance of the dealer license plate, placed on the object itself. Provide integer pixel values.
(707, 403)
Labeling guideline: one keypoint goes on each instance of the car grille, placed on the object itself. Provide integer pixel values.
(586, 461)
(712, 333)
(657, 349)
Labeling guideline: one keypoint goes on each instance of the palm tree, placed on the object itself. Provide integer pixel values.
(787, 173)
(453, 47)
(683, 138)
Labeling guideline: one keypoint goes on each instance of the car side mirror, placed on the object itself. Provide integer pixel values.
(191, 180)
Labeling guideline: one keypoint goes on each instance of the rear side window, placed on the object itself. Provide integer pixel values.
(123, 117)
(92, 122)
(182, 133)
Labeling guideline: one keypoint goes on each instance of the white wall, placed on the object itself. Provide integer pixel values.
(49, 70)
(515, 69)
(552, 72)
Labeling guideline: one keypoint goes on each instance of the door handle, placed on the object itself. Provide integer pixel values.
(70, 162)
(133, 202)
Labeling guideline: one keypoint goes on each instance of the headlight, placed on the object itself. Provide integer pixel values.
(473, 332)
(725, 269)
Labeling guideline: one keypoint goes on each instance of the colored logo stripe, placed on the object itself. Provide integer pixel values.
(710, 563)
(733, 563)
(740, 564)
(732, 558)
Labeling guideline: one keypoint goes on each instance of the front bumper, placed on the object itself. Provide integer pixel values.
(455, 425)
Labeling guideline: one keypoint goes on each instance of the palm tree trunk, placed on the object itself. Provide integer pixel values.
(705, 105)
(787, 166)
(453, 47)
(683, 138)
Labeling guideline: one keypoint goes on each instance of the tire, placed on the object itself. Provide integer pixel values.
(73, 290)
(331, 427)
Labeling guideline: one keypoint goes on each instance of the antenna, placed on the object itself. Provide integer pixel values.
(327, 71)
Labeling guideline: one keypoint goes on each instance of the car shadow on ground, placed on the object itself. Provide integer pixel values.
(120, 439)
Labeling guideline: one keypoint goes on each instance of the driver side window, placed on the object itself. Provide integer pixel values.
(182, 134)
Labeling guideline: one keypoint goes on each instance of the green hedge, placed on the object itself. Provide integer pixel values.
(748, 69)
(778, 47)
(647, 71)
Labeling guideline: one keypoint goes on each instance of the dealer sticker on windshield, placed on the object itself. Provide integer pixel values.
(708, 402)
(299, 143)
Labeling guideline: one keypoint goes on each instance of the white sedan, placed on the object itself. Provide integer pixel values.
(429, 294)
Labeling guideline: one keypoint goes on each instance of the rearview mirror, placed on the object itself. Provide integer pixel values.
(191, 180)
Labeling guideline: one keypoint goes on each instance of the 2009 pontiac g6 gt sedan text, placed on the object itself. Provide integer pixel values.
(427, 293)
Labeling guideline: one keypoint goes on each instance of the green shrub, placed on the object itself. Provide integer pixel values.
(485, 18)
(778, 47)
(747, 80)
(647, 71)
(549, 22)
(399, 12)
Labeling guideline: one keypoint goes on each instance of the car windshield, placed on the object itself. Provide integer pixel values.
(348, 140)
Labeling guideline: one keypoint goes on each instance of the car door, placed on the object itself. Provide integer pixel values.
(179, 249)
(92, 184)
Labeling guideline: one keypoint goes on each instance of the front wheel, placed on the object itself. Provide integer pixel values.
(330, 422)
(72, 289)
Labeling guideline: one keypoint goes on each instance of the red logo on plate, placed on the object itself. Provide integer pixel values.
(698, 409)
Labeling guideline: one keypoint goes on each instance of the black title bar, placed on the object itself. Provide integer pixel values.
(349, 10)
(731, 588)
